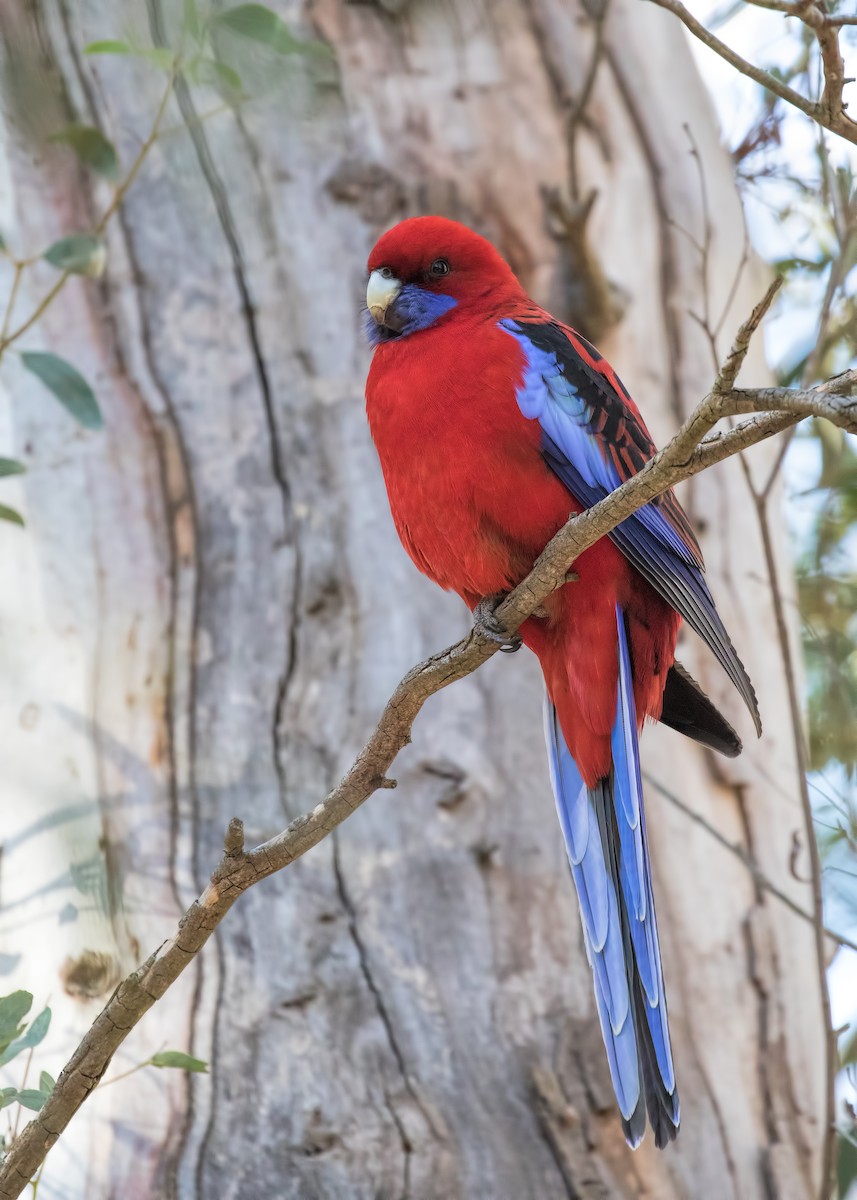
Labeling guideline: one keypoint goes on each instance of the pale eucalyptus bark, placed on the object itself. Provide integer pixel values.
(210, 608)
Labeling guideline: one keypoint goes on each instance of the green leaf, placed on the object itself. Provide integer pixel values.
(3, 246)
(846, 1164)
(10, 515)
(260, 24)
(11, 466)
(175, 1058)
(159, 56)
(32, 1098)
(91, 147)
(67, 384)
(111, 46)
(8, 1096)
(191, 23)
(217, 74)
(13, 1009)
(47, 1083)
(79, 254)
(31, 1037)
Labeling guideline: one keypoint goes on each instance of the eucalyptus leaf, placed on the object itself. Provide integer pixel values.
(79, 254)
(32, 1098)
(190, 21)
(8, 1096)
(11, 466)
(34, 1034)
(47, 1083)
(91, 147)
(13, 1009)
(261, 24)
(214, 73)
(11, 515)
(846, 1163)
(159, 56)
(67, 384)
(109, 46)
(3, 246)
(176, 1058)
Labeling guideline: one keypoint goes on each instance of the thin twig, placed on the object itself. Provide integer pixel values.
(6, 339)
(829, 111)
(747, 859)
(27, 1066)
(10, 303)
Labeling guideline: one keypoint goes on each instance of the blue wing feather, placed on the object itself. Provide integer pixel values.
(593, 440)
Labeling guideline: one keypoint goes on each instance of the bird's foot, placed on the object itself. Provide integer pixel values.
(485, 622)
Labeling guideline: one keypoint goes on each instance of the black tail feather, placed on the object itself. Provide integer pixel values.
(688, 710)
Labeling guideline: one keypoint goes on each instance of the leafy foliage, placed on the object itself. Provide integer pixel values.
(812, 239)
(176, 1058)
(92, 148)
(262, 24)
(16, 1036)
(79, 254)
(10, 515)
(67, 384)
(827, 597)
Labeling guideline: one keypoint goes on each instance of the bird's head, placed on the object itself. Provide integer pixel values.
(426, 268)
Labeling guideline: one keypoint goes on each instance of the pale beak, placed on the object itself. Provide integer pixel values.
(381, 293)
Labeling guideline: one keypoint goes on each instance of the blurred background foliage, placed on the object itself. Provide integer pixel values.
(799, 186)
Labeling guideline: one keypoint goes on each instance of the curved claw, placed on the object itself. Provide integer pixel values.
(485, 622)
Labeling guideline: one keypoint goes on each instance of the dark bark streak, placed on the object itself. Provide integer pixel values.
(667, 257)
(383, 1016)
(763, 1042)
(223, 209)
(294, 612)
(173, 504)
(547, 1121)
(161, 433)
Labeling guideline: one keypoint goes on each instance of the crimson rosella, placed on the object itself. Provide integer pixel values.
(494, 422)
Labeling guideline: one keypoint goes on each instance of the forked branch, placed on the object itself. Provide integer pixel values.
(829, 110)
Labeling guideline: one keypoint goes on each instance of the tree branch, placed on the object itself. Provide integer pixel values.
(829, 111)
(690, 451)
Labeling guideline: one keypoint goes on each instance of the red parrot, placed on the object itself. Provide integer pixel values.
(493, 423)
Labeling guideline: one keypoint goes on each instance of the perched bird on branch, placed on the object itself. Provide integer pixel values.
(494, 423)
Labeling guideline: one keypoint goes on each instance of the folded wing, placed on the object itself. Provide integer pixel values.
(594, 439)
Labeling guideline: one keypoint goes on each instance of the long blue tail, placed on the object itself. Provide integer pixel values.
(605, 835)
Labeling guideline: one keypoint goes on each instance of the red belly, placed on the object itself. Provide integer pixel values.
(475, 504)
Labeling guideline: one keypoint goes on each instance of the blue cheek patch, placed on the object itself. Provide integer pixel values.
(416, 308)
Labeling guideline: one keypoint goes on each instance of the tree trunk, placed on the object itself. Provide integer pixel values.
(209, 607)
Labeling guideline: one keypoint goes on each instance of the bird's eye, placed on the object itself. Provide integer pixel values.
(386, 273)
(440, 267)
